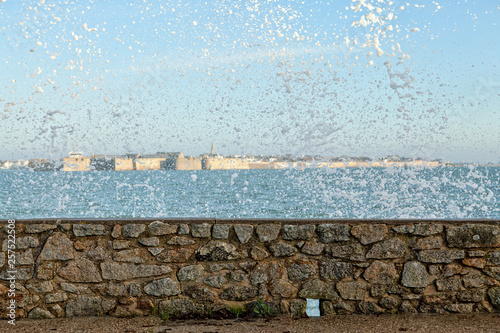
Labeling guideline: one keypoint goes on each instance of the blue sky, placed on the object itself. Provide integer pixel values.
(255, 77)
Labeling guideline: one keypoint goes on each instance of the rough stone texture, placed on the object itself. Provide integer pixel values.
(177, 255)
(298, 232)
(473, 295)
(217, 251)
(494, 297)
(353, 251)
(216, 281)
(84, 306)
(82, 230)
(429, 243)
(178, 240)
(334, 269)
(117, 271)
(471, 235)
(313, 248)
(39, 313)
(258, 253)
(80, 270)
(281, 249)
(427, 229)
(202, 230)
(404, 229)
(381, 273)
(369, 308)
(391, 248)
(301, 271)
(369, 233)
(474, 262)
(221, 231)
(117, 231)
(133, 230)
(190, 273)
(494, 258)
(352, 290)
(137, 256)
(181, 308)
(158, 228)
(243, 232)
(239, 293)
(59, 296)
(25, 258)
(440, 256)
(415, 275)
(199, 293)
(449, 284)
(163, 287)
(283, 289)
(328, 233)
(459, 308)
(149, 241)
(120, 244)
(183, 229)
(317, 289)
(389, 302)
(267, 232)
(38, 228)
(155, 250)
(57, 247)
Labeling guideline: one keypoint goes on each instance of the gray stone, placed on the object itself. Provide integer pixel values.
(181, 308)
(221, 231)
(58, 310)
(239, 293)
(317, 289)
(72, 288)
(190, 273)
(216, 250)
(202, 230)
(116, 289)
(120, 244)
(493, 258)
(440, 256)
(281, 249)
(178, 240)
(59, 296)
(42, 287)
(389, 249)
(155, 250)
(415, 275)
(82, 230)
(479, 253)
(352, 290)
(2, 259)
(472, 235)
(158, 228)
(428, 243)
(282, 289)
(125, 271)
(427, 229)
(57, 247)
(198, 292)
(353, 251)
(297, 307)
(301, 271)
(117, 231)
(380, 272)
(134, 290)
(183, 229)
(134, 230)
(38, 228)
(404, 229)
(459, 307)
(334, 269)
(181, 254)
(258, 253)
(328, 233)
(23, 243)
(267, 232)
(369, 308)
(24, 257)
(369, 233)
(343, 307)
(298, 232)
(149, 241)
(238, 275)
(39, 313)
(313, 248)
(81, 270)
(108, 305)
(494, 297)
(84, 306)
(406, 307)
(243, 232)
(471, 295)
(258, 276)
(163, 287)
(389, 302)
(138, 255)
(449, 284)
(216, 281)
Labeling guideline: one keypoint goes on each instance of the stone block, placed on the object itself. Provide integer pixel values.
(202, 230)
(120, 244)
(163, 287)
(352, 251)
(313, 248)
(440, 256)
(149, 241)
(138, 255)
(474, 262)
(133, 230)
(243, 232)
(38, 228)
(216, 250)
(298, 232)
(369, 308)
(449, 284)
(459, 307)
(155, 250)
(301, 271)
(59, 296)
(494, 297)
(24, 257)
(179, 240)
(404, 229)
(281, 249)
(352, 290)
(389, 302)
(317, 289)
(81, 270)
(39, 313)
(221, 231)
(258, 253)
(158, 228)
(389, 249)
(283, 289)
(472, 295)
(125, 271)
(239, 293)
(198, 293)
(183, 229)
(190, 273)
(369, 233)
(181, 308)
(176, 255)
(335, 270)
(82, 230)
(493, 258)
(216, 281)
(57, 247)
(380, 272)
(328, 233)
(117, 231)
(473, 235)
(267, 232)
(415, 275)
(84, 306)
(427, 229)
(429, 243)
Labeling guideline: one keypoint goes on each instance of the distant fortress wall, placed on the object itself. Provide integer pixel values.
(188, 163)
(81, 163)
(148, 163)
(219, 163)
(192, 267)
(124, 164)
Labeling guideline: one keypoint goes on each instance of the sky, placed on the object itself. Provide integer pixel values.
(371, 78)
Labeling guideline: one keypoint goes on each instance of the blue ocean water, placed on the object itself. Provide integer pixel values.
(444, 192)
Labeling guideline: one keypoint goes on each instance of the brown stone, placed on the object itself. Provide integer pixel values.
(352, 290)
(179, 240)
(137, 256)
(380, 272)
(429, 243)
(117, 231)
(57, 247)
(391, 248)
(317, 289)
(177, 255)
(80, 246)
(283, 289)
(313, 248)
(267, 232)
(81, 270)
(334, 269)
(474, 262)
(353, 251)
(117, 271)
(449, 284)
(473, 235)
(440, 256)
(258, 253)
(369, 233)
(427, 229)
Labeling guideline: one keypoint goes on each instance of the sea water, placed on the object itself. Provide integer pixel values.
(442, 192)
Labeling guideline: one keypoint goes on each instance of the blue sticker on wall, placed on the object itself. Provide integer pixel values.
(312, 309)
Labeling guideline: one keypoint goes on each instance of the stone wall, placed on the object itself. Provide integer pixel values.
(189, 267)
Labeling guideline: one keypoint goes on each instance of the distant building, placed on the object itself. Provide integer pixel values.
(76, 162)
